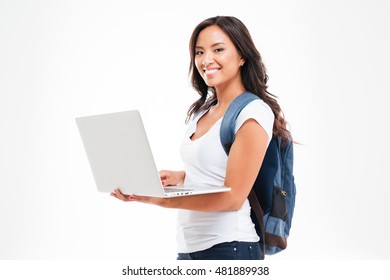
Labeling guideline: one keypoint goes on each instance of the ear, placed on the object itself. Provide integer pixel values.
(242, 61)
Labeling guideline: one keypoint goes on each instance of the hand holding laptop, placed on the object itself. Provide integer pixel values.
(172, 178)
(168, 178)
(145, 199)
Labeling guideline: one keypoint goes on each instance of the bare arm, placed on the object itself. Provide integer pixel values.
(244, 162)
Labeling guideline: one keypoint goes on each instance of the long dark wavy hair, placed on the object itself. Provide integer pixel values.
(253, 72)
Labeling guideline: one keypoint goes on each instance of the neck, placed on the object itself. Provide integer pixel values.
(225, 96)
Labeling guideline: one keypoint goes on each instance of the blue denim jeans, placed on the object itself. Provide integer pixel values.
(226, 251)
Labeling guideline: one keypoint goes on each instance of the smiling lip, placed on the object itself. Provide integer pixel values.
(211, 71)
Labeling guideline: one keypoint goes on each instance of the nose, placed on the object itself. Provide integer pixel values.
(208, 58)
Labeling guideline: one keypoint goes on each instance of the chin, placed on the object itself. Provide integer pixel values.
(211, 83)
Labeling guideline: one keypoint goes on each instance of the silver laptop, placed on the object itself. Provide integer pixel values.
(119, 155)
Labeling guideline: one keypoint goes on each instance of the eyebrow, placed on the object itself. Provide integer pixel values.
(213, 45)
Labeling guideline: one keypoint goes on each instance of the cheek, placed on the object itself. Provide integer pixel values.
(232, 60)
(233, 65)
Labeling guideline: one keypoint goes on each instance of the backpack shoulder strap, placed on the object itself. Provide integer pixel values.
(229, 119)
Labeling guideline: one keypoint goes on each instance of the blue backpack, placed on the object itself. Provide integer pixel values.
(272, 197)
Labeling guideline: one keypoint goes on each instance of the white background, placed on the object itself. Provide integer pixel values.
(327, 62)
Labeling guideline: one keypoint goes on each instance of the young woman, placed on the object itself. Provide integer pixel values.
(224, 64)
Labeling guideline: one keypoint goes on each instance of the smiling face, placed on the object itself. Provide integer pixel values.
(217, 59)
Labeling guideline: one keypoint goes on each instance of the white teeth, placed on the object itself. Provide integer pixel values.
(210, 71)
